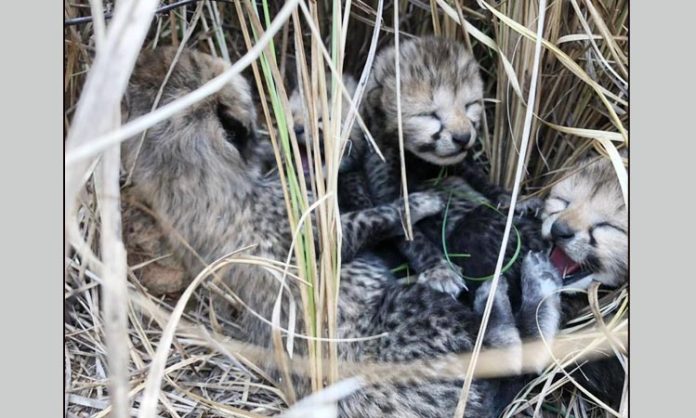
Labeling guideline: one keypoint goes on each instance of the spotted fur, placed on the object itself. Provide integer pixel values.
(585, 216)
(200, 173)
(441, 99)
(441, 104)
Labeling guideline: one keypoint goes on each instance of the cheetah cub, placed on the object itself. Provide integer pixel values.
(300, 117)
(441, 93)
(201, 173)
(586, 218)
(352, 190)
(198, 172)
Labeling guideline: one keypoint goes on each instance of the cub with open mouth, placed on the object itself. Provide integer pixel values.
(586, 217)
(300, 116)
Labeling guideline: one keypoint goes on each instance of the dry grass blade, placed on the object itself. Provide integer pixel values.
(586, 27)
(97, 8)
(573, 347)
(158, 97)
(570, 64)
(365, 75)
(337, 74)
(400, 131)
(105, 84)
(78, 152)
(115, 291)
(98, 111)
(152, 387)
(619, 58)
(486, 40)
(67, 380)
(147, 355)
(322, 404)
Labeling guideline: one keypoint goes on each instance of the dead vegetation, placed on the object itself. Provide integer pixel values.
(119, 337)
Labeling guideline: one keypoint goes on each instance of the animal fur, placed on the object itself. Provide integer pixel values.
(585, 215)
(441, 104)
(199, 171)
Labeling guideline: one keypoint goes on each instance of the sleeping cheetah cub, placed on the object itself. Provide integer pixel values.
(197, 171)
(441, 93)
(213, 150)
(586, 218)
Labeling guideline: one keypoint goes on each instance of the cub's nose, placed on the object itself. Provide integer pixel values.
(561, 230)
(462, 139)
(299, 130)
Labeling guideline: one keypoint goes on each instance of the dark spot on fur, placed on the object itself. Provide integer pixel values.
(593, 241)
(387, 408)
(235, 132)
(426, 147)
(592, 263)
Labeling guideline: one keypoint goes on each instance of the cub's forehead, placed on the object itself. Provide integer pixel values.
(595, 187)
(581, 184)
(432, 59)
(447, 96)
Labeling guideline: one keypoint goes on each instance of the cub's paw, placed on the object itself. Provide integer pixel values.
(443, 278)
(502, 200)
(529, 207)
(501, 294)
(353, 155)
(540, 279)
(424, 204)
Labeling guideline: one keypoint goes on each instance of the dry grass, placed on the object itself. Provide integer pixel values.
(113, 324)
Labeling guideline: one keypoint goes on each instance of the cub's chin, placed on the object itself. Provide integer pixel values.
(441, 160)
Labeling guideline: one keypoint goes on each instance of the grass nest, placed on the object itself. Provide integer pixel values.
(115, 327)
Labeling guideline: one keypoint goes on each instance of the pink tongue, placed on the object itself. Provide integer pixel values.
(564, 264)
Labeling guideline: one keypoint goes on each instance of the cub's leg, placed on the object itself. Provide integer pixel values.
(353, 193)
(419, 324)
(540, 312)
(539, 315)
(424, 256)
(501, 331)
(363, 227)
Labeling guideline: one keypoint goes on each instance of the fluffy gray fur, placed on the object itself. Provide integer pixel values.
(199, 171)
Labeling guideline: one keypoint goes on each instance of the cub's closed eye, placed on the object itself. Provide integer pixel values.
(428, 115)
(472, 103)
(608, 225)
(555, 204)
